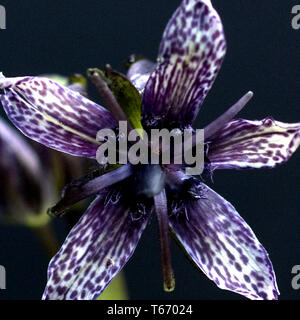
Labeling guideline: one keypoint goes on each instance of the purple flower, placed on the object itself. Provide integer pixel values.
(21, 175)
(29, 168)
(213, 234)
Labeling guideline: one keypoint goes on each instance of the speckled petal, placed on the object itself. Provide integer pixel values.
(224, 247)
(253, 144)
(96, 249)
(140, 72)
(54, 115)
(190, 56)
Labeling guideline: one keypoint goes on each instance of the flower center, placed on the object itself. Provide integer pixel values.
(148, 180)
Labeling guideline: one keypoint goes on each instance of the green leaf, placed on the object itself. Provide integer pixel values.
(127, 96)
(125, 93)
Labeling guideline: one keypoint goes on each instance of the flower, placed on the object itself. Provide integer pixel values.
(31, 176)
(26, 187)
(30, 168)
(21, 174)
(212, 233)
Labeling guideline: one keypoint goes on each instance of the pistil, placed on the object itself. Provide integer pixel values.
(160, 202)
(227, 116)
(217, 124)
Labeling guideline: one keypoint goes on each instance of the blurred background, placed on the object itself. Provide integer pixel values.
(263, 56)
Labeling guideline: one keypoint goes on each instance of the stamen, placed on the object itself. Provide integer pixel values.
(75, 194)
(220, 122)
(228, 115)
(112, 104)
(160, 202)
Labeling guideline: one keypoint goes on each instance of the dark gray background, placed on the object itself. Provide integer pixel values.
(263, 56)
